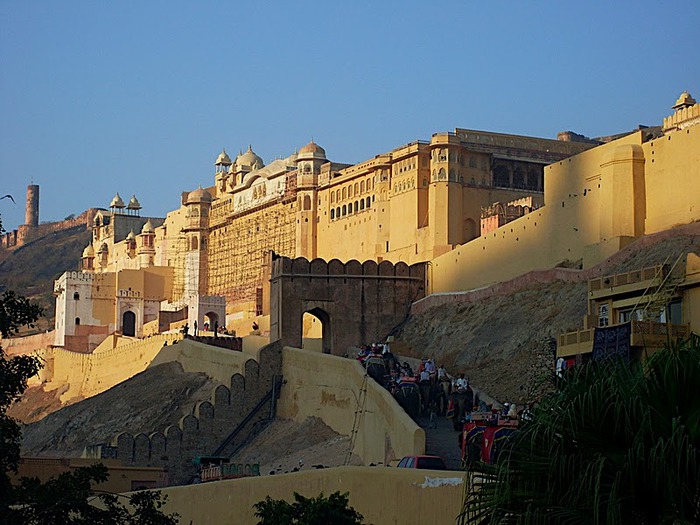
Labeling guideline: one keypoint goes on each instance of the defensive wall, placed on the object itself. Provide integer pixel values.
(368, 299)
(596, 203)
(112, 362)
(201, 432)
(338, 391)
(26, 234)
(382, 495)
(569, 275)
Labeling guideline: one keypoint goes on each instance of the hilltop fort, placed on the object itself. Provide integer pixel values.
(309, 253)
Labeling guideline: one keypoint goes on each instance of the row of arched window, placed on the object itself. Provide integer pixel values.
(351, 208)
(352, 190)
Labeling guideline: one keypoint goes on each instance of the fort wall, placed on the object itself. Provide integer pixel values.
(368, 299)
(28, 233)
(595, 204)
(334, 389)
(381, 495)
(112, 362)
(201, 432)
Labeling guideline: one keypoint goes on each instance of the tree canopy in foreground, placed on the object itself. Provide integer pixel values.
(618, 443)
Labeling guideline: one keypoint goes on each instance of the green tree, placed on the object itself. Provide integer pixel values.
(308, 511)
(616, 444)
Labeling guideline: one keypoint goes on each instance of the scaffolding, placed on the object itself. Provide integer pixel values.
(239, 249)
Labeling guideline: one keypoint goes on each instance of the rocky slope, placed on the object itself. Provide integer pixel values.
(503, 342)
(147, 402)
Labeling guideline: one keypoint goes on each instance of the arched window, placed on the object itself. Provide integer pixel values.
(345, 210)
(345, 193)
(362, 186)
(76, 296)
(362, 204)
(307, 202)
(355, 188)
(442, 175)
(332, 214)
(337, 195)
(77, 321)
(332, 197)
(194, 244)
(337, 212)
(369, 202)
(357, 206)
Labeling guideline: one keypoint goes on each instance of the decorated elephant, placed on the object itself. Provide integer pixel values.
(408, 397)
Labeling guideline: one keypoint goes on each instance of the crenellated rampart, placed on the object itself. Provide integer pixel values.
(367, 299)
(112, 362)
(209, 424)
(26, 234)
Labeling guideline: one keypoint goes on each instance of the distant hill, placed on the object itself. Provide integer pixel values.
(30, 270)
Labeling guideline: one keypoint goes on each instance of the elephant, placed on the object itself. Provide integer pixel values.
(376, 369)
(408, 397)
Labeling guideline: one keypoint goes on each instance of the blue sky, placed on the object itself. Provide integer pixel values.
(140, 96)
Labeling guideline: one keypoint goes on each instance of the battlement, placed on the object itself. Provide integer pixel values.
(682, 118)
(302, 267)
(202, 431)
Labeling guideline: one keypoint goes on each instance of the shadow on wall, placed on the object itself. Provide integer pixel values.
(203, 431)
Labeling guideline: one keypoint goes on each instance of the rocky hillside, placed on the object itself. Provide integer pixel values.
(504, 342)
(147, 402)
(31, 269)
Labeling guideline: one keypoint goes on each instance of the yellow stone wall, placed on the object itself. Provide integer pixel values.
(382, 495)
(595, 203)
(329, 387)
(672, 179)
(112, 362)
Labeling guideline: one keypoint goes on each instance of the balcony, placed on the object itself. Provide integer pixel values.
(645, 334)
(625, 282)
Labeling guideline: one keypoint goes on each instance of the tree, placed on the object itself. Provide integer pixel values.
(308, 511)
(617, 444)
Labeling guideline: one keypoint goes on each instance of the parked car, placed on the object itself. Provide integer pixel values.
(423, 462)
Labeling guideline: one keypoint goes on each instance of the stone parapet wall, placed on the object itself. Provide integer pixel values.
(112, 362)
(201, 433)
(382, 495)
(333, 389)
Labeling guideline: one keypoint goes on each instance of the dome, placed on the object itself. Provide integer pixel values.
(249, 158)
(117, 202)
(223, 159)
(148, 227)
(131, 236)
(311, 151)
(134, 203)
(89, 251)
(684, 101)
(199, 195)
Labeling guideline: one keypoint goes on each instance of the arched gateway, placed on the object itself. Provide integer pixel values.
(357, 303)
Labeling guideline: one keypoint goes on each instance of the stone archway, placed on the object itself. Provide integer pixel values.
(326, 328)
(129, 324)
(211, 320)
(358, 303)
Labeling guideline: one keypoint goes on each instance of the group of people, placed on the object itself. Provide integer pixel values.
(429, 391)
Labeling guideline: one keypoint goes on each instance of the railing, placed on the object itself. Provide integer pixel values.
(660, 329)
(620, 279)
(577, 337)
(643, 328)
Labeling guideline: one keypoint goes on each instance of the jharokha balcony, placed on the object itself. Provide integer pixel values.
(644, 334)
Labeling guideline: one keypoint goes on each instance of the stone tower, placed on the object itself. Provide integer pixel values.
(31, 215)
